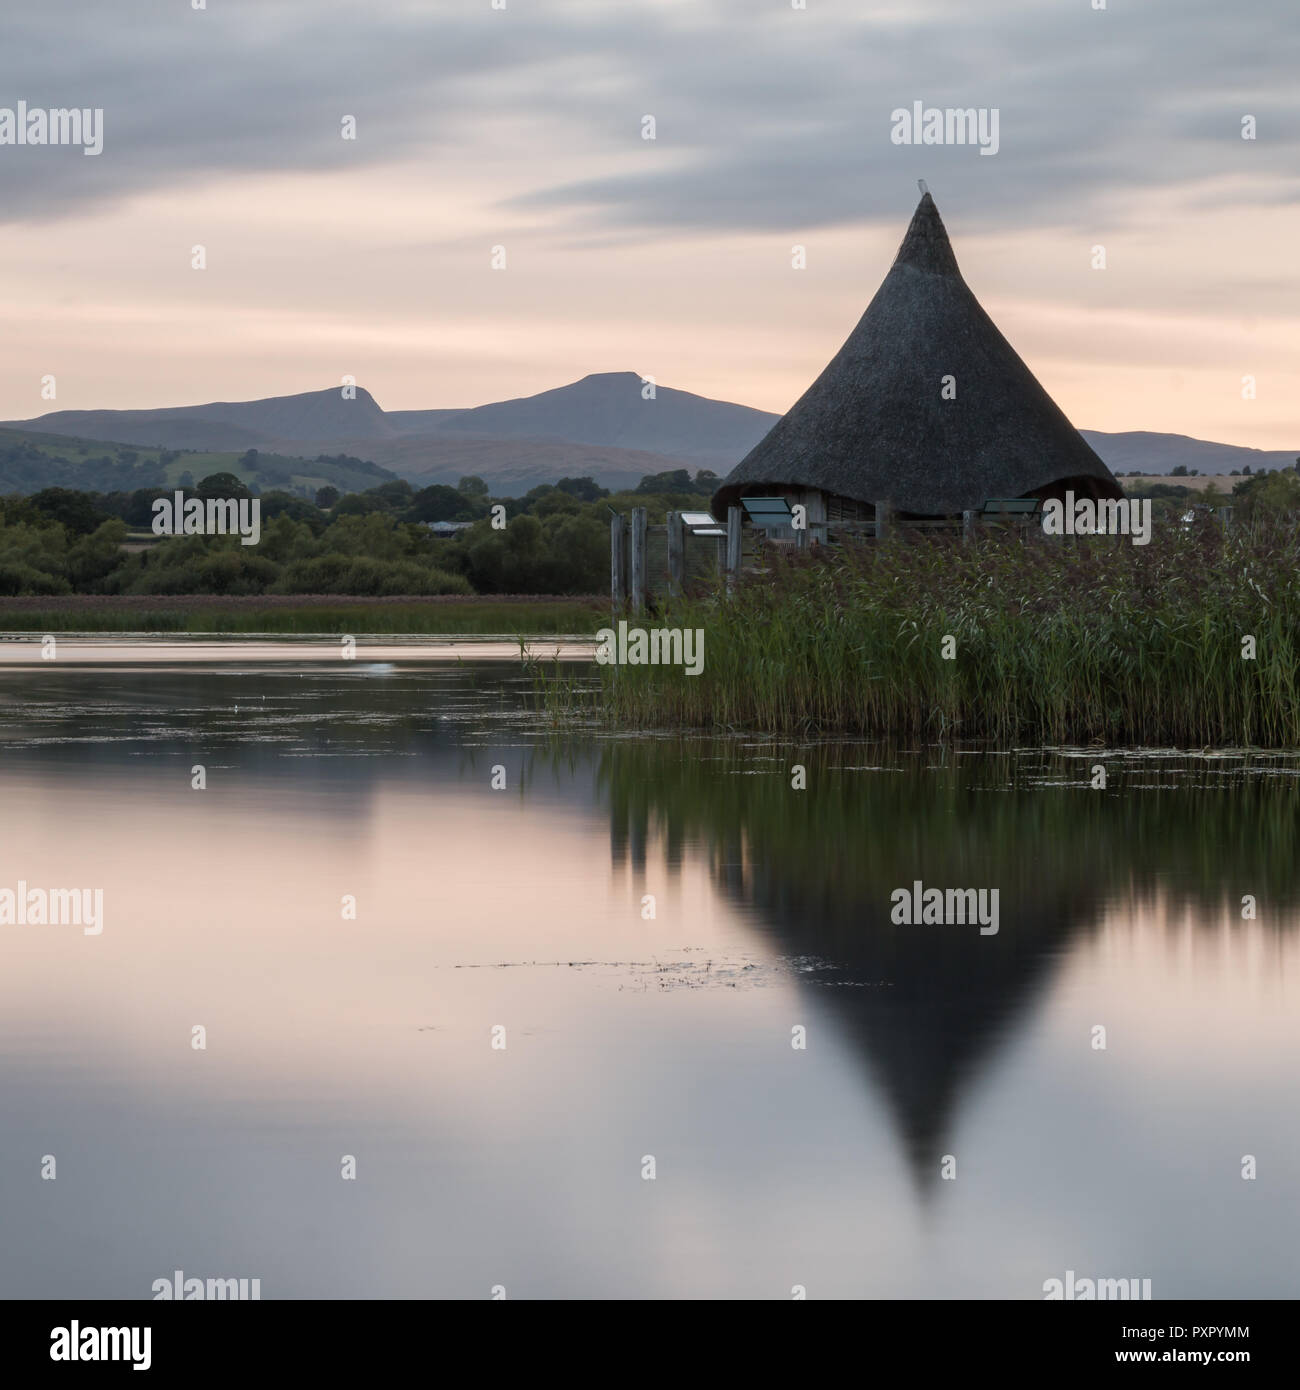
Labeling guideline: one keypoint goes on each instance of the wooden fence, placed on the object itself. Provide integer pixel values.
(650, 562)
(647, 563)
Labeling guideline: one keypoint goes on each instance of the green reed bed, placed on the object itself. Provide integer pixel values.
(1056, 640)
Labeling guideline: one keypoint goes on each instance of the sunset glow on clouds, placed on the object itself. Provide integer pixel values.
(523, 128)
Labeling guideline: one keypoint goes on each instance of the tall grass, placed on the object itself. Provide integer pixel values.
(255, 615)
(1071, 640)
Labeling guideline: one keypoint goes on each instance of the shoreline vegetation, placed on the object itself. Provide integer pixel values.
(1083, 639)
(388, 542)
(1192, 640)
(527, 615)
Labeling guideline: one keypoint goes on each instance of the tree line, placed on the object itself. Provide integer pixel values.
(552, 540)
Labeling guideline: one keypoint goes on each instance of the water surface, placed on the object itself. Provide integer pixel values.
(523, 907)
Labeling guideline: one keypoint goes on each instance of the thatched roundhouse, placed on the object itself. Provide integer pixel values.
(876, 426)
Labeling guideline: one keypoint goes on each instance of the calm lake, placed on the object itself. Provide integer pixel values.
(506, 1042)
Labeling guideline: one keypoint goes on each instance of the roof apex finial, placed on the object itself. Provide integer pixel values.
(926, 246)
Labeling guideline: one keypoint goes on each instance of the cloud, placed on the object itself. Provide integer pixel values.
(250, 86)
(769, 118)
(1091, 104)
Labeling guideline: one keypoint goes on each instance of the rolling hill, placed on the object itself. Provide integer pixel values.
(31, 460)
(225, 425)
(600, 426)
(608, 410)
(1161, 453)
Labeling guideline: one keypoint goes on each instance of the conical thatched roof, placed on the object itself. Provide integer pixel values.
(874, 426)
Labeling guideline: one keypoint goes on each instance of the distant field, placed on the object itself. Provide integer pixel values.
(1225, 482)
(512, 615)
(30, 460)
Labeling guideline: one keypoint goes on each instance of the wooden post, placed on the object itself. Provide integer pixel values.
(617, 561)
(638, 565)
(676, 554)
(967, 525)
(884, 520)
(733, 547)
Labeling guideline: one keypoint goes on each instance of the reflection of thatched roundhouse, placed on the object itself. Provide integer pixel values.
(875, 426)
(925, 1007)
(934, 1004)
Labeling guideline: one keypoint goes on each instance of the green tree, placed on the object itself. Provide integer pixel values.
(556, 502)
(678, 480)
(585, 489)
(435, 503)
(223, 485)
(396, 494)
(77, 511)
(358, 504)
(138, 511)
(1268, 494)
(91, 559)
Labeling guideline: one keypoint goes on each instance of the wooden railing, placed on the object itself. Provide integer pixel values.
(649, 562)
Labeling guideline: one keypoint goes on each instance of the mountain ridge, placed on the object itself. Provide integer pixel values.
(602, 425)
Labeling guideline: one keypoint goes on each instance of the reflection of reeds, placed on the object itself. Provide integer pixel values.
(1061, 640)
(817, 868)
(1213, 832)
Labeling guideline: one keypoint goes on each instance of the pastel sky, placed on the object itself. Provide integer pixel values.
(522, 127)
